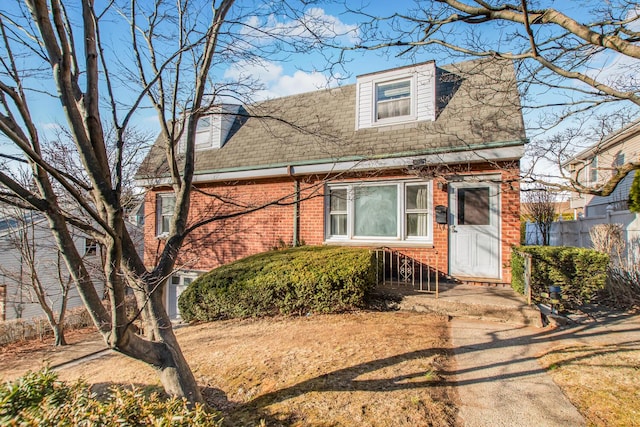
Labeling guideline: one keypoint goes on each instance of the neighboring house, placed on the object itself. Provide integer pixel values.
(593, 166)
(29, 236)
(598, 163)
(422, 160)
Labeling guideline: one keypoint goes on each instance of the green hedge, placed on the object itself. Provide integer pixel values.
(581, 273)
(40, 399)
(294, 281)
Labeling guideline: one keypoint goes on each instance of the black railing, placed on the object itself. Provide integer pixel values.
(400, 270)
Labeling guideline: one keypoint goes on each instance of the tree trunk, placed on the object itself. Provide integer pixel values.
(58, 335)
(168, 361)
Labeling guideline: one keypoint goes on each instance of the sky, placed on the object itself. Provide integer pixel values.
(284, 72)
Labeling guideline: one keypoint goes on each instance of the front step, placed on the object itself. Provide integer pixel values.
(493, 304)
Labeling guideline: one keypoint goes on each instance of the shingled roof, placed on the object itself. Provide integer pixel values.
(478, 107)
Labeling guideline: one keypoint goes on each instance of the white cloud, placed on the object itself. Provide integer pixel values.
(273, 80)
(313, 24)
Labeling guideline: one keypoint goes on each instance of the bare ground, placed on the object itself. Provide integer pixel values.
(602, 381)
(370, 368)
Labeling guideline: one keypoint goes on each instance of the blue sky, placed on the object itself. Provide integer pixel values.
(284, 74)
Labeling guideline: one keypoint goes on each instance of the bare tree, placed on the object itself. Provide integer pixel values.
(39, 274)
(104, 65)
(539, 206)
(564, 61)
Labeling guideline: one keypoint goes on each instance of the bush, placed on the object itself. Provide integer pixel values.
(581, 273)
(40, 399)
(319, 279)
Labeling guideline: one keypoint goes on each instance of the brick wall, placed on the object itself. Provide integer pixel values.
(224, 241)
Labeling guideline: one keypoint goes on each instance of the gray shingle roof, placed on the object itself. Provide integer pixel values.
(479, 106)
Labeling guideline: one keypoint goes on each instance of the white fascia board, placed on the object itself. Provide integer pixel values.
(469, 156)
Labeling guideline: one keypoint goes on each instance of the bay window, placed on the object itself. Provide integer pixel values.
(380, 211)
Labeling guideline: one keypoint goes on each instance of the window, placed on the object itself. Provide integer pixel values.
(474, 206)
(338, 211)
(593, 170)
(393, 99)
(204, 123)
(417, 210)
(380, 211)
(376, 211)
(166, 204)
(90, 247)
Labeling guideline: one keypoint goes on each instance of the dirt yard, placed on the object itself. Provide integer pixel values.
(377, 369)
(602, 381)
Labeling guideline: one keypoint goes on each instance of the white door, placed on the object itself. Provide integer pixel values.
(474, 230)
(177, 284)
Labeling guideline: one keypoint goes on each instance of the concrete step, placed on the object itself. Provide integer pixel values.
(465, 301)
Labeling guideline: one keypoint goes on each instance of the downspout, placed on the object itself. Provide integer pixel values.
(296, 207)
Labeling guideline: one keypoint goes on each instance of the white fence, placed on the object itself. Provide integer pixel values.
(576, 232)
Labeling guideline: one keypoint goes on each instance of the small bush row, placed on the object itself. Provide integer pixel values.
(38, 328)
(317, 279)
(581, 273)
(40, 399)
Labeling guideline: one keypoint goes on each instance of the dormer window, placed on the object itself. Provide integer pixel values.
(204, 124)
(401, 96)
(393, 99)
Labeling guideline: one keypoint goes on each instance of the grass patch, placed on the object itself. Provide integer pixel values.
(601, 381)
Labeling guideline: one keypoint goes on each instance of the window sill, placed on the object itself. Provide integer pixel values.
(380, 243)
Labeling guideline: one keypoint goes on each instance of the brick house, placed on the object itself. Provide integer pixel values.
(422, 160)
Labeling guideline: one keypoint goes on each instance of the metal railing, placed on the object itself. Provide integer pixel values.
(400, 270)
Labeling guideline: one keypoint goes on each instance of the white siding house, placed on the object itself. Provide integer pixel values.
(598, 163)
(18, 300)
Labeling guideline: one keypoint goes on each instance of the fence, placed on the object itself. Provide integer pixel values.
(576, 232)
(401, 270)
(38, 328)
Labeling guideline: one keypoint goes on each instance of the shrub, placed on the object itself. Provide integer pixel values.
(40, 399)
(581, 273)
(293, 281)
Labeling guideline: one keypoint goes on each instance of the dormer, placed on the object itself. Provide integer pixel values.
(213, 128)
(398, 96)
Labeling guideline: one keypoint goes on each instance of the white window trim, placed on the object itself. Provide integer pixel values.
(159, 216)
(401, 231)
(412, 100)
(593, 171)
(412, 116)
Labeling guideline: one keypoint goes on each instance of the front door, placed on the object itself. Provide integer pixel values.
(474, 230)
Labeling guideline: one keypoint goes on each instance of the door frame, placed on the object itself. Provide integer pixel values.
(493, 182)
(182, 275)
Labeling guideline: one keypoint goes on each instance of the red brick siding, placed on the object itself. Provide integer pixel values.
(221, 242)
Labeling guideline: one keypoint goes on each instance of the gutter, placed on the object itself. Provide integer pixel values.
(491, 152)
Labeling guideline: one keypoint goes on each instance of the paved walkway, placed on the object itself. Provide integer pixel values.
(500, 380)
